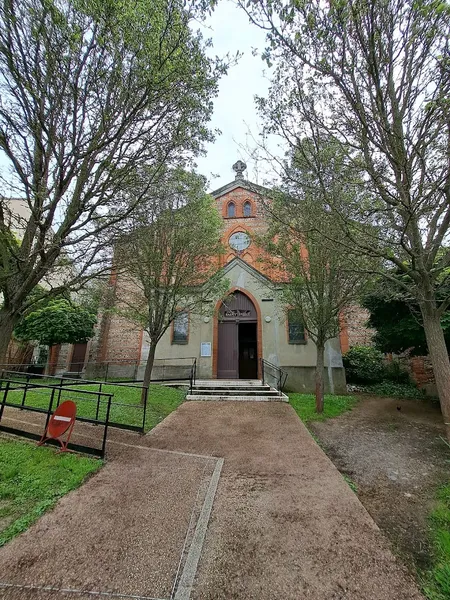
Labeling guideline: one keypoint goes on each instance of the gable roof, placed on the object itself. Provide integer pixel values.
(240, 183)
(236, 261)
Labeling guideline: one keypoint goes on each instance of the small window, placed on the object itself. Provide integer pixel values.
(231, 210)
(247, 209)
(180, 328)
(296, 329)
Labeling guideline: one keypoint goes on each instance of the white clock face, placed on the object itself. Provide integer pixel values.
(239, 241)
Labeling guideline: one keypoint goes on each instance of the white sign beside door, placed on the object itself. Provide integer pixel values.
(205, 349)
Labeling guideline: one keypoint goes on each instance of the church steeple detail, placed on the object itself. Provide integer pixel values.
(239, 167)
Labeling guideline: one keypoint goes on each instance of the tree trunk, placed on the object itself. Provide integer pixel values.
(7, 324)
(319, 376)
(439, 358)
(148, 370)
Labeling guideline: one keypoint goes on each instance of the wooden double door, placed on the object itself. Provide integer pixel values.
(78, 358)
(237, 339)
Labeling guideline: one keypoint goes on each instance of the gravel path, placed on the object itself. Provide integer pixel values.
(284, 524)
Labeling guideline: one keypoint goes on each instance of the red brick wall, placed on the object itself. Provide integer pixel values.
(124, 341)
(255, 225)
(19, 353)
(117, 339)
(354, 331)
(124, 336)
(421, 370)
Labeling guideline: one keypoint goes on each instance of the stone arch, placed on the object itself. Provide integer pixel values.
(231, 210)
(259, 339)
(247, 209)
(252, 204)
(235, 228)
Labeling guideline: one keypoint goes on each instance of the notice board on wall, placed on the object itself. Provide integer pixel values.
(205, 349)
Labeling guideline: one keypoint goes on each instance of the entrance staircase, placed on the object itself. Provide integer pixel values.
(235, 389)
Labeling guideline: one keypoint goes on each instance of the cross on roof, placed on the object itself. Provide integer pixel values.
(239, 167)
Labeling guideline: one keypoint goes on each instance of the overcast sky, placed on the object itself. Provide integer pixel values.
(234, 108)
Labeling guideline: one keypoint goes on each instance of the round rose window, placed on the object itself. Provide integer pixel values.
(239, 241)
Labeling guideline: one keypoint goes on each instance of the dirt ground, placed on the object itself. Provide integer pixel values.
(393, 450)
(281, 523)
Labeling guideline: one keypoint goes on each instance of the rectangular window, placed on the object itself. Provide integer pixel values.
(296, 329)
(180, 328)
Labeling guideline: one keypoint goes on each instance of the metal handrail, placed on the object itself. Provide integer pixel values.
(101, 397)
(193, 375)
(73, 385)
(62, 378)
(104, 377)
(280, 375)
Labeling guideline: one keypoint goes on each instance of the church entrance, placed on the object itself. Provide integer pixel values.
(237, 339)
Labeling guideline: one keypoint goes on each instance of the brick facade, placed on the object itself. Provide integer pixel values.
(19, 353)
(354, 329)
(118, 339)
(421, 370)
(255, 225)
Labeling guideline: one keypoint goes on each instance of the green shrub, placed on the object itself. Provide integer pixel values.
(395, 372)
(363, 365)
(397, 390)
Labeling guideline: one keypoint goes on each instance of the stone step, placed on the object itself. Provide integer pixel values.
(229, 392)
(216, 398)
(229, 382)
(236, 389)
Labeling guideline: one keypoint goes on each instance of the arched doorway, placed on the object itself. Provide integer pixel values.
(237, 338)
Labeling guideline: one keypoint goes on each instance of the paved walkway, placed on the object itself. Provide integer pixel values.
(168, 518)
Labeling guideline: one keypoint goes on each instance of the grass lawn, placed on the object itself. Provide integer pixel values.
(32, 479)
(305, 406)
(126, 407)
(437, 581)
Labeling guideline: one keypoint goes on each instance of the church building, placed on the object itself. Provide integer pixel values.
(249, 324)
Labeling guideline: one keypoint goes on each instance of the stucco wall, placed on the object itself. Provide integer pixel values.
(302, 380)
(298, 359)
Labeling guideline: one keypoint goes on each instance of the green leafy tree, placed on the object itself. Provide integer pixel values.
(397, 321)
(59, 322)
(322, 280)
(89, 92)
(170, 256)
(375, 76)
(397, 328)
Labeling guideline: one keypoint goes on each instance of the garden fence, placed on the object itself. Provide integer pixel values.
(41, 399)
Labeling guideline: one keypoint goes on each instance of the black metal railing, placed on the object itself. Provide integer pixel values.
(128, 409)
(273, 375)
(118, 370)
(133, 414)
(193, 375)
(50, 396)
(164, 370)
